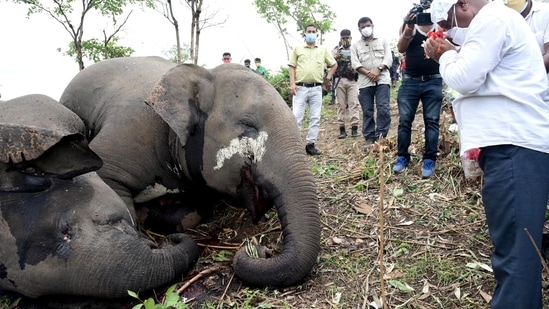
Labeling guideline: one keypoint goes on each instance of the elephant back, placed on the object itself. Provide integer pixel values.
(31, 124)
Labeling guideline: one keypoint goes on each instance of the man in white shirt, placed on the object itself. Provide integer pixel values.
(536, 15)
(500, 75)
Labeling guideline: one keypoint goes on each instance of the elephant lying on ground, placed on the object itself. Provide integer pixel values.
(162, 128)
(63, 231)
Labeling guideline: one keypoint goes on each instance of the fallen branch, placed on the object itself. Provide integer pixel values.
(220, 304)
(201, 274)
(382, 225)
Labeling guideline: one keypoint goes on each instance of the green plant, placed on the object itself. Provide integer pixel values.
(281, 82)
(325, 170)
(370, 170)
(171, 301)
(8, 303)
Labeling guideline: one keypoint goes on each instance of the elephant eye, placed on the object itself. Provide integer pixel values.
(249, 123)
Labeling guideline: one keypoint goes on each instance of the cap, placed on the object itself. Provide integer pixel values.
(517, 5)
(440, 8)
(345, 32)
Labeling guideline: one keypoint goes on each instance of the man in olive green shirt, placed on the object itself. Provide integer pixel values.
(307, 64)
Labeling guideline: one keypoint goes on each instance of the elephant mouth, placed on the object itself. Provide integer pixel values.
(254, 196)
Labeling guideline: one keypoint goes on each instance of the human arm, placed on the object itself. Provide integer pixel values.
(407, 32)
(482, 51)
(332, 64)
(357, 65)
(293, 87)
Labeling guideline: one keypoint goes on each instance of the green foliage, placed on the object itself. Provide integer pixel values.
(96, 51)
(62, 11)
(303, 12)
(171, 301)
(370, 170)
(325, 170)
(8, 303)
(184, 53)
(281, 82)
(223, 256)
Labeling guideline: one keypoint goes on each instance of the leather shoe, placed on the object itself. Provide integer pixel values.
(312, 150)
(342, 133)
(354, 131)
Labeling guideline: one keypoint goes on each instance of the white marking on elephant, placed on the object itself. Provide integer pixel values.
(245, 147)
(152, 192)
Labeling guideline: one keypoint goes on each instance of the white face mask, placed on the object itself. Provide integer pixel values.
(367, 32)
(457, 34)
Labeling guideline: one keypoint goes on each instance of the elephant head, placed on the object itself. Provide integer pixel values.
(63, 231)
(237, 136)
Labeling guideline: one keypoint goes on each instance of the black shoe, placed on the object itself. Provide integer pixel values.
(354, 131)
(342, 133)
(369, 143)
(312, 150)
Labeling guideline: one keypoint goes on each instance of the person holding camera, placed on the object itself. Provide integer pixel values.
(502, 116)
(346, 86)
(371, 58)
(421, 81)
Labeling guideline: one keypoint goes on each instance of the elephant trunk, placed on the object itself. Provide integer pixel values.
(297, 208)
(118, 263)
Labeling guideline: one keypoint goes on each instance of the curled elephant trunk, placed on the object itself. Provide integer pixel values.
(131, 265)
(115, 264)
(297, 209)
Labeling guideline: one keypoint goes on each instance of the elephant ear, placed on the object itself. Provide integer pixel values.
(31, 124)
(181, 96)
(40, 137)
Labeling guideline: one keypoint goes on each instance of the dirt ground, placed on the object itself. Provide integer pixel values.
(433, 234)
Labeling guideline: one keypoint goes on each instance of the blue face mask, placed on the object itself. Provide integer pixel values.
(310, 37)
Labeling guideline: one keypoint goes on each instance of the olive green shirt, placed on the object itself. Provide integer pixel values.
(310, 63)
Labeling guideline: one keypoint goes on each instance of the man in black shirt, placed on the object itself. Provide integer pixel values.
(420, 81)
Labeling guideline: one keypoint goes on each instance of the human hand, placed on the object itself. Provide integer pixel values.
(327, 83)
(293, 89)
(434, 47)
(409, 19)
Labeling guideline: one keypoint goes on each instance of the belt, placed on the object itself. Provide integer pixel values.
(422, 77)
(309, 85)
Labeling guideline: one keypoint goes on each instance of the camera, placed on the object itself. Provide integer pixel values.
(421, 18)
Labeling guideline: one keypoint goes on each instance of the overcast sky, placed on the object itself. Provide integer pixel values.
(30, 62)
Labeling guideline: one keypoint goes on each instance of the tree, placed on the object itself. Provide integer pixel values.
(199, 23)
(172, 53)
(64, 11)
(96, 51)
(303, 12)
(167, 11)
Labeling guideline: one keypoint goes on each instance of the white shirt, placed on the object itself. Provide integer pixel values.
(538, 20)
(500, 75)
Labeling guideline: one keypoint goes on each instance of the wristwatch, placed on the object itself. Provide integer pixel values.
(380, 68)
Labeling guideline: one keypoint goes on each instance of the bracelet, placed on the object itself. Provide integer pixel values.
(407, 37)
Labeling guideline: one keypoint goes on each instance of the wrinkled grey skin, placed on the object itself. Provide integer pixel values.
(224, 131)
(63, 231)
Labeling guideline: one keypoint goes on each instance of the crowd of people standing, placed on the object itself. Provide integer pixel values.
(496, 57)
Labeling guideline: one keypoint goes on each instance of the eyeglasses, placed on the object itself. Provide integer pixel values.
(226, 58)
